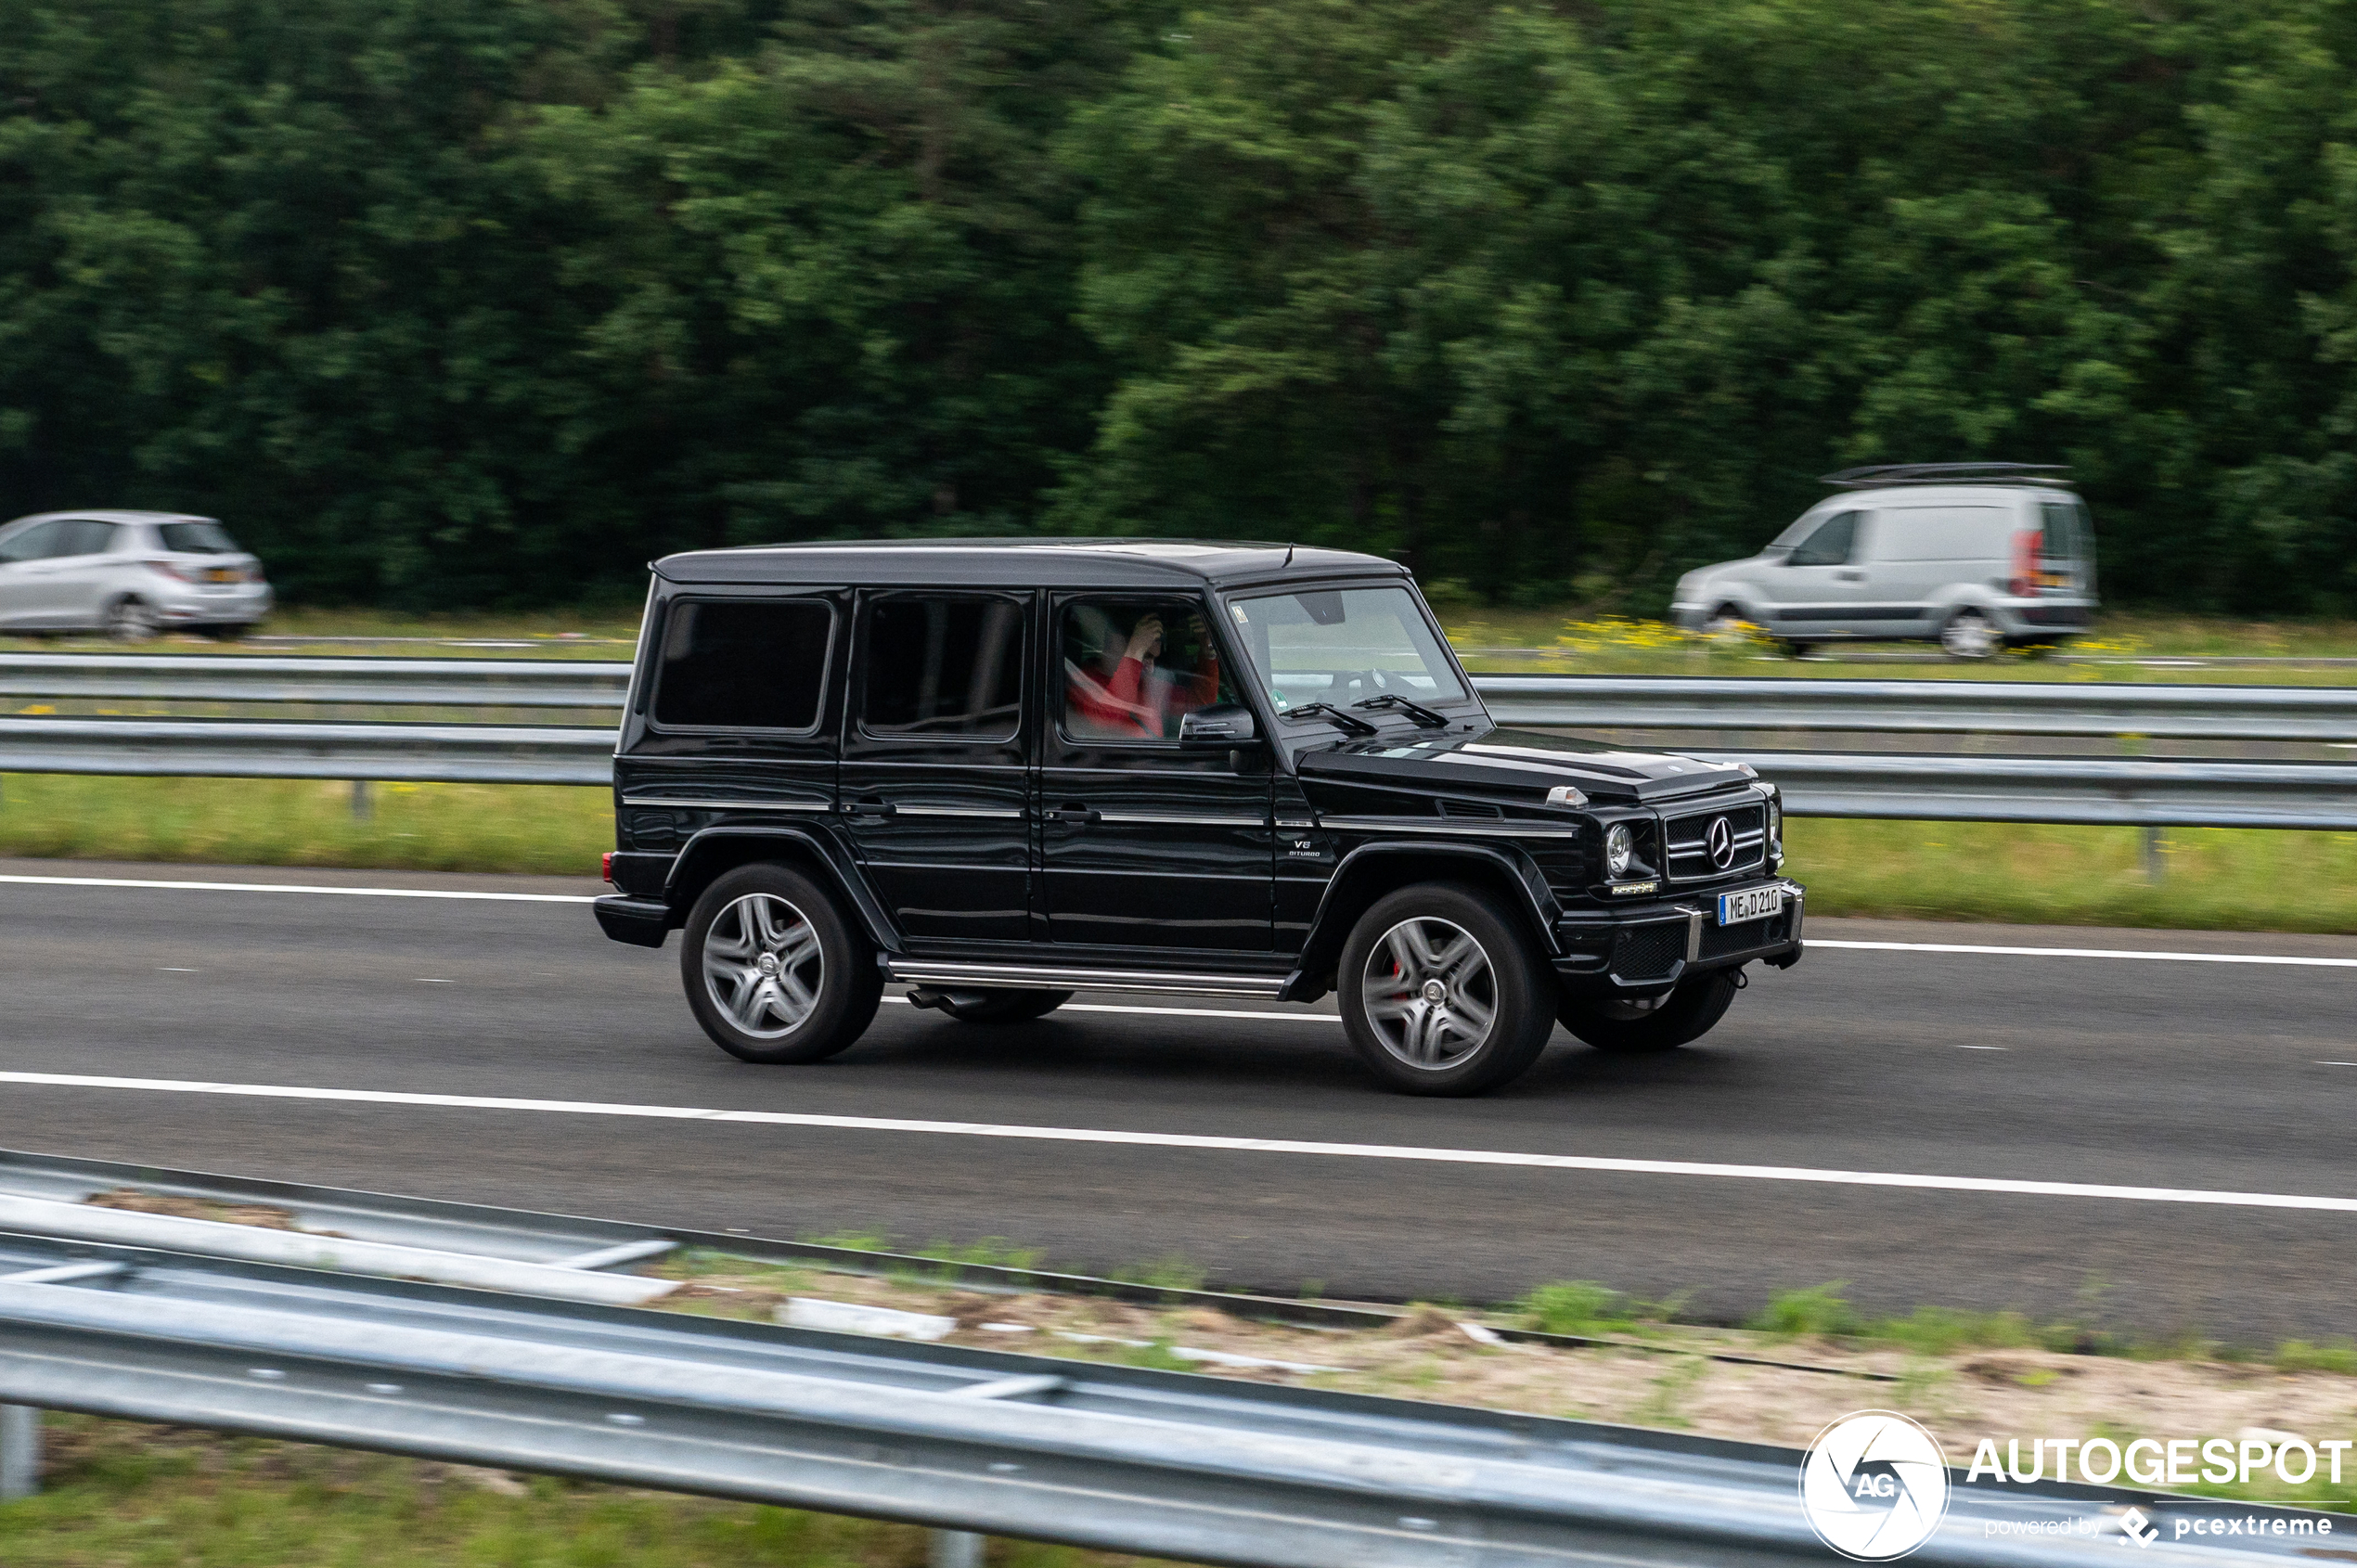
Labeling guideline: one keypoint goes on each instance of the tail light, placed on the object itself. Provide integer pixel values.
(2025, 579)
(177, 574)
(605, 866)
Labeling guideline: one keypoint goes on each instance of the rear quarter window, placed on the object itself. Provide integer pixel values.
(742, 664)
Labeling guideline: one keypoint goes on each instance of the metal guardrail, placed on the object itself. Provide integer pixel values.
(2142, 790)
(1170, 1464)
(1925, 707)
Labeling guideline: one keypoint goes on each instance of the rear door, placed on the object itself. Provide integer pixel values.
(936, 747)
(1146, 843)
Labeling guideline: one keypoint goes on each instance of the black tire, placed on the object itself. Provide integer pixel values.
(132, 618)
(1505, 975)
(836, 971)
(1002, 1006)
(1798, 649)
(1661, 1024)
(1968, 636)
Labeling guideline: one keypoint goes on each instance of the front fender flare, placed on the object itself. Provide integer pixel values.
(1348, 896)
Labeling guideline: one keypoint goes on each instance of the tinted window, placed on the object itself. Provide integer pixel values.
(29, 544)
(84, 537)
(942, 666)
(1830, 545)
(744, 665)
(2064, 526)
(197, 539)
(1133, 669)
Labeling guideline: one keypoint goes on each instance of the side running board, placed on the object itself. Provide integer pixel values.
(944, 972)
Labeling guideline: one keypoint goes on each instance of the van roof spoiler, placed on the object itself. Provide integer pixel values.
(1947, 473)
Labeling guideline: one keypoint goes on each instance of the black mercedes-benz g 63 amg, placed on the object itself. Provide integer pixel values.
(1002, 771)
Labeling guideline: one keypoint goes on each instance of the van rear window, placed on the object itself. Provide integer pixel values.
(743, 664)
(2066, 530)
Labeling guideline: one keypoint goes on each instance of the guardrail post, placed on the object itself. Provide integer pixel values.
(364, 800)
(953, 1549)
(2155, 867)
(20, 1452)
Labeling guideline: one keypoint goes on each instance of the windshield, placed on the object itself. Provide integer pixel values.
(197, 539)
(1344, 646)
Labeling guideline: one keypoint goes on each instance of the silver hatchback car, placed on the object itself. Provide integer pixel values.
(130, 574)
(1975, 555)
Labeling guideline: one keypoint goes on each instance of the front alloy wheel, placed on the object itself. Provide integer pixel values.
(1429, 993)
(1442, 993)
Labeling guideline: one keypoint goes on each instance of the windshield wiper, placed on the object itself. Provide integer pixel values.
(1349, 723)
(1425, 718)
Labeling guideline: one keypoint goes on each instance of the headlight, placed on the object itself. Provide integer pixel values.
(1618, 848)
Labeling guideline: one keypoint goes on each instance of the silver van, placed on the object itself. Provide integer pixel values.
(1977, 555)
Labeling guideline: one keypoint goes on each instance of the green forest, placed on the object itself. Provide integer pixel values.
(448, 303)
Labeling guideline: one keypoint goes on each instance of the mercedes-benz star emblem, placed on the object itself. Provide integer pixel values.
(1721, 841)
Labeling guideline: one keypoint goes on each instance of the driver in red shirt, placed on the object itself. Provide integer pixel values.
(1130, 701)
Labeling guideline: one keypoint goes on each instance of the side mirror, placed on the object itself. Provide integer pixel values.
(1223, 724)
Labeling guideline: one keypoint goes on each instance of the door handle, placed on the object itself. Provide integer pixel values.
(1079, 815)
(1849, 576)
(871, 806)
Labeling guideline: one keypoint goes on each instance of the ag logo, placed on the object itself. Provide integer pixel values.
(1720, 841)
(1874, 1485)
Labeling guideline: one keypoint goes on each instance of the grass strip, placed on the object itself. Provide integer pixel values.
(2213, 879)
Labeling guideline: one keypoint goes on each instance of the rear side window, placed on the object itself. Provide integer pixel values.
(197, 539)
(743, 664)
(1830, 545)
(84, 537)
(944, 667)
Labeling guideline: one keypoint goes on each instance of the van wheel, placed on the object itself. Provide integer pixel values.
(1968, 635)
(1440, 994)
(1632, 1026)
(773, 970)
(1001, 1007)
(1727, 623)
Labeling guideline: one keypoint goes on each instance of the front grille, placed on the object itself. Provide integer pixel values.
(1719, 940)
(1649, 952)
(1689, 839)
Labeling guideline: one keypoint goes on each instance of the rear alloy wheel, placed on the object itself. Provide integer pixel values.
(1000, 1006)
(1440, 995)
(133, 620)
(1968, 635)
(772, 969)
(1641, 1026)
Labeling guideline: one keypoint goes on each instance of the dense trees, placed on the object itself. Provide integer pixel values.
(452, 300)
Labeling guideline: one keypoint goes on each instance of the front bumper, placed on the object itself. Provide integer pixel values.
(1652, 948)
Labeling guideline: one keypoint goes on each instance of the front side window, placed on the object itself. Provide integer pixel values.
(1344, 646)
(1133, 668)
(944, 667)
(31, 544)
(1829, 545)
(743, 663)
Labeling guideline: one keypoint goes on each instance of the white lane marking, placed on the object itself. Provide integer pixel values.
(2085, 953)
(588, 898)
(2337, 1064)
(1982, 1047)
(1199, 1140)
(301, 887)
(428, 980)
(1188, 1012)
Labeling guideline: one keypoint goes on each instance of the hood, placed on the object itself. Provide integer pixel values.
(1515, 764)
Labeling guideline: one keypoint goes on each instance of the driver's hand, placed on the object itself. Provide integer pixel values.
(1145, 642)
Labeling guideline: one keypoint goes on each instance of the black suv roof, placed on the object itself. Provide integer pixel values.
(1038, 563)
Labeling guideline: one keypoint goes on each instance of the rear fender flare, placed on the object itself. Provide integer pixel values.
(1371, 870)
(714, 852)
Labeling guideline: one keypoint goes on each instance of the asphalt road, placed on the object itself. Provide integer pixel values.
(2150, 1074)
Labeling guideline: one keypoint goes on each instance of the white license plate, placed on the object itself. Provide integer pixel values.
(1752, 903)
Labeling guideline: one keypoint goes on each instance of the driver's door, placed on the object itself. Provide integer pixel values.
(1146, 843)
(1822, 583)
